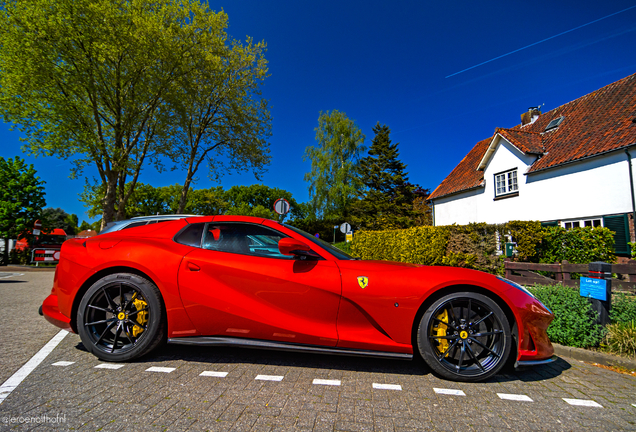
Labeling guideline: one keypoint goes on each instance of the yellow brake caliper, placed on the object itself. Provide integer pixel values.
(440, 330)
(142, 317)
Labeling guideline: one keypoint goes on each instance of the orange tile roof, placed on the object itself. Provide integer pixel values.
(597, 123)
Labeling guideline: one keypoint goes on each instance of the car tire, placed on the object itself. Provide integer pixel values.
(464, 336)
(121, 317)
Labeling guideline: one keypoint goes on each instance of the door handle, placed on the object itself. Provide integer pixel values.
(193, 267)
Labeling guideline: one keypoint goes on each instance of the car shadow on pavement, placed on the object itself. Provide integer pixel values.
(231, 355)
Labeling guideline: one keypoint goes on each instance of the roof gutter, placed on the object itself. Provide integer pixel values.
(627, 147)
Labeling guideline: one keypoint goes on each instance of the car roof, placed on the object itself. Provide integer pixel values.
(118, 225)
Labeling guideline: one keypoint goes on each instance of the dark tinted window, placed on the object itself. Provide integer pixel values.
(135, 224)
(191, 235)
(246, 239)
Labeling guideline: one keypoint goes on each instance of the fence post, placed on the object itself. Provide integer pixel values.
(598, 288)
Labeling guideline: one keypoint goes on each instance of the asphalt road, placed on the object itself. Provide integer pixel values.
(183, 388)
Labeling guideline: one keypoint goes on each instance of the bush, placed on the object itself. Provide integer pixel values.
(344, 246)
(20, 257)
(578, 245)
(623, 308)
(621, 338)
(574, 319)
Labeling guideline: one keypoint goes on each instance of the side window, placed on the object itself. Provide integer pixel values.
(246, 239)
(134, 224)
(191, 235)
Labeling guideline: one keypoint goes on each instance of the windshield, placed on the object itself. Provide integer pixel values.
(332, 249)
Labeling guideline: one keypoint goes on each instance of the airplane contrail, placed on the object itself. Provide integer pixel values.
(541, 41)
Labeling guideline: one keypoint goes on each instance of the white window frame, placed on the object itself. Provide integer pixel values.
(581, 223)
(506, 183)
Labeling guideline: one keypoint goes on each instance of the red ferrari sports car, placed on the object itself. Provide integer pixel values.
(244, 281)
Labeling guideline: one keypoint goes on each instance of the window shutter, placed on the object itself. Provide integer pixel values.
(619, 225)
(549, 224)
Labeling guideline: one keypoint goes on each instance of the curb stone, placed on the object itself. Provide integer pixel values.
(594, 356)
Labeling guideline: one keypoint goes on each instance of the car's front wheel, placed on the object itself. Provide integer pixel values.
(464, 336)
(120, 317)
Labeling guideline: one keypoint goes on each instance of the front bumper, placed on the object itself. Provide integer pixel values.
(530, 363)
(52, 314)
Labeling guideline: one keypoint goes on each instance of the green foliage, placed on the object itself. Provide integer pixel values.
(621, 338)
(577, 245)
(623, 308)
(95, 226)
(574, 319)
(344, 246)
(258, 200)
(21, 257)
(386, 202)
(21, 199)
(333, 180)
(474, 246)
(528, 236)
(102, 83)
(632, 248)
(58, 218)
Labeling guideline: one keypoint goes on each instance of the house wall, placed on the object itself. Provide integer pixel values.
(594, 187)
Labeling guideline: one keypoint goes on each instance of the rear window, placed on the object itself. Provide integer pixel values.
(191, 235)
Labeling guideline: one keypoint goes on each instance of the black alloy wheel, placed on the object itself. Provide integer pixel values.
(464, 336)
(120, 317)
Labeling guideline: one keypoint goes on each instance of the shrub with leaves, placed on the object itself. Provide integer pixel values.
(578, 245)
(623, 308)
(621, 338)
(574, 319)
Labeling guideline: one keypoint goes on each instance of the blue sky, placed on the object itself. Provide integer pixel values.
(403, 64)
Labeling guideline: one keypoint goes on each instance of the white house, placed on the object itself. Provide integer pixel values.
(570, 166)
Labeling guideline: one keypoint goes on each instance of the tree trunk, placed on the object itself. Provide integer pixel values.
(108, 213)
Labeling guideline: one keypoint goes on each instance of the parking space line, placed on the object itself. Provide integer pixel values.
(387, 386)
(326, 382)
(62, 363)
(583, 402)
(109, 366)
(269, 377)
(160, 369)
(213, 374)
(452, 392)
(514, 397)
(14, 380)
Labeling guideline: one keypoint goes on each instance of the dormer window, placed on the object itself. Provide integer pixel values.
(506, 183)
(554, 123)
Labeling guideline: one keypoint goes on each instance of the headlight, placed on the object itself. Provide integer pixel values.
(522, 288)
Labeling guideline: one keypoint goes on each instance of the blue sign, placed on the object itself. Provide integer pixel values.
(593, 288)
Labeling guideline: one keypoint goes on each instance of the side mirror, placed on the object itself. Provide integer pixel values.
(293, 247)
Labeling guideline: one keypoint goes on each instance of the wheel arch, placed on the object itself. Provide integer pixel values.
(101, 274)
(466, 288)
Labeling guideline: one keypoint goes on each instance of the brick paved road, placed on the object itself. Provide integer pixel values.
(248, 390)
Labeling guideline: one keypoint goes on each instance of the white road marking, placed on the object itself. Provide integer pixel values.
(387, 386)
(583, 402)
(326, 382)
(8, 275)
(514, 397)
(109, 366)
(14, 380)
(449, 392)
(62, 363)
(213, 374)
(160, 369)
(269, 377)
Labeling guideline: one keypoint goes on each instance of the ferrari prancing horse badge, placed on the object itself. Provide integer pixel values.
(363, 281)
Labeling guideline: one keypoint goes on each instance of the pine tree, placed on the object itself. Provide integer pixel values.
(387, 200)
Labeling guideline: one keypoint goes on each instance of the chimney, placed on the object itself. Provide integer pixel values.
(530, 116)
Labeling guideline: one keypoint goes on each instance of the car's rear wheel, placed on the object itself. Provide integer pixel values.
(464, 336)
(120, 317)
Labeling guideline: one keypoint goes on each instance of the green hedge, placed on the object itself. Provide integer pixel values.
(474, 245)
(574, 319)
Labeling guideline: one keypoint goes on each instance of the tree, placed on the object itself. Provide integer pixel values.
(258, 200)
(91, 80)
(58, 218)
(333, 179)
(219, 116)
(21, 200)
(387, 200)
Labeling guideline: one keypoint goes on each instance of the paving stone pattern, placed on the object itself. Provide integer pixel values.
(226, 389)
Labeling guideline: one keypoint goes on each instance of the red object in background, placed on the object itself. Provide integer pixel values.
(54, 239)
(233, 280)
